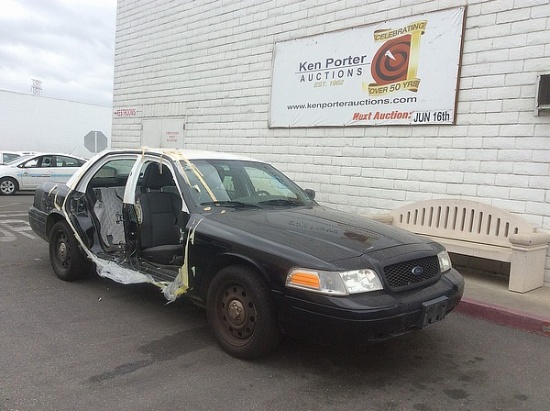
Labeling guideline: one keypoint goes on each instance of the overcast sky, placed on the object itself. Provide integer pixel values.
(68, 45)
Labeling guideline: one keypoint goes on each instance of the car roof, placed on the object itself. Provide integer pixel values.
(184, 154)
(26, 157)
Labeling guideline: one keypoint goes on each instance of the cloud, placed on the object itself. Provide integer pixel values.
(66, 44)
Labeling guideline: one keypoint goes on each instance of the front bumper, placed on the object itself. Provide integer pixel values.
(368, 317)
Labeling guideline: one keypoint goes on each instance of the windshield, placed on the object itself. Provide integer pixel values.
(18, 160)
(236, 183)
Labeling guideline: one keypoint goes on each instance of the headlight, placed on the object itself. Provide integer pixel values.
(444, 261)
(334, 282)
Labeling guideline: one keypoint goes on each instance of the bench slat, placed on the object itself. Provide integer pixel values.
(466, 220)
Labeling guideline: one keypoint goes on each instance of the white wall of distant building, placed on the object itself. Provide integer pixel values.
(36, 123)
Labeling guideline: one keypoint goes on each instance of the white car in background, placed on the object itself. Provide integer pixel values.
(29, 171)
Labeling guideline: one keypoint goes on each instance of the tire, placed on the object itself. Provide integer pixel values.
(68, 261)
(8, 186)
(241, 313)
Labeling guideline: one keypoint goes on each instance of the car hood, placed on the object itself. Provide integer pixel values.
(327, 234)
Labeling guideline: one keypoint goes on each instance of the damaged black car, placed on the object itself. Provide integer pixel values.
(238, 237)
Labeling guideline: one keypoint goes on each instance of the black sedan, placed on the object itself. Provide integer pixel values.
(238, 237)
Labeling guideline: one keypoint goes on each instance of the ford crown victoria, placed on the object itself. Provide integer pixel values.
(239, 238)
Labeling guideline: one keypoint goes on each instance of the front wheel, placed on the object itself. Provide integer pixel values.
(8, 186)
(241, 313)
(68, 261)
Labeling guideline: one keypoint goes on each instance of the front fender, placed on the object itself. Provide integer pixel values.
(223, 260)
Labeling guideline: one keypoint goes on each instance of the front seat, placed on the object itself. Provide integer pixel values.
(160, 236)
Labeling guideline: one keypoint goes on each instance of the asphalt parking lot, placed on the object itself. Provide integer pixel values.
(95, 345)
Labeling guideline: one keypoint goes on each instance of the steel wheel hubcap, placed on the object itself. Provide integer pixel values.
(62, 251)
(238, 312)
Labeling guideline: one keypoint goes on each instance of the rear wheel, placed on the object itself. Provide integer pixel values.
(241, 313)
(8, 186)
(68, 261)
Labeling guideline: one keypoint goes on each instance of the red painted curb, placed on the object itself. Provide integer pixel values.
(505, 316)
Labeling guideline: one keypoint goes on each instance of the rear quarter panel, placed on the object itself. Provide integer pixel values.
(47, 208)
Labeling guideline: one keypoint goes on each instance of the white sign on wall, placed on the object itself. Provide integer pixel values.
(398, 72)
(163, 132)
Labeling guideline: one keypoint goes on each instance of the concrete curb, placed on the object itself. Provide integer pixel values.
(505, 316)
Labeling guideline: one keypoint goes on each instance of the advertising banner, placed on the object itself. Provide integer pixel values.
(399, 72)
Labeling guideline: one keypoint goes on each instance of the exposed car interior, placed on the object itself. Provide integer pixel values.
(160, 235)
(159, 221)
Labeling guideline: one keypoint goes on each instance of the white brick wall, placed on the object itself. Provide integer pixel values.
(210, 62)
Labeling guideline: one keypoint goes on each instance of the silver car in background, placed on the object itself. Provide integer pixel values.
(29, 171)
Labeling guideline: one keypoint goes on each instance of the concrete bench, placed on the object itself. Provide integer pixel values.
(479, 230)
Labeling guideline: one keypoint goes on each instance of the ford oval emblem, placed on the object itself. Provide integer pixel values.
(417, 270)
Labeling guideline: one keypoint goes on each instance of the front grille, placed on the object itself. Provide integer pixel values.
(408, 274)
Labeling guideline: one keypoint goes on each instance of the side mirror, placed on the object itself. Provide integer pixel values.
(310, 193)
